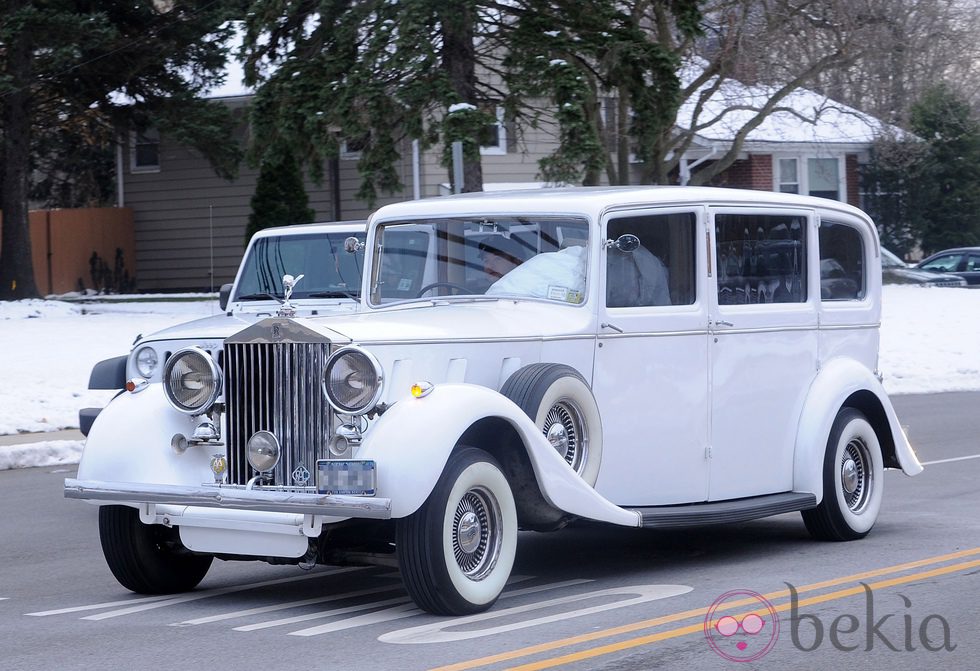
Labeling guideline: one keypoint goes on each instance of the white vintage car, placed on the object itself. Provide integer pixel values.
(332, 284)
(645, 357)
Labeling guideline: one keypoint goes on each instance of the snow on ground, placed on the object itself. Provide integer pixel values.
(929, 343)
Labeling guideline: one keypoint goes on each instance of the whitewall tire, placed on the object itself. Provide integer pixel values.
(559, 401)
(456, 551)
(852, 477)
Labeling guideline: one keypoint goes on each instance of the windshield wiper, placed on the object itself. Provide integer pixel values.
(258, 296)
(331, 294)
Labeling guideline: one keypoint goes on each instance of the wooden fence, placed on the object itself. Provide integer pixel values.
(63, 243)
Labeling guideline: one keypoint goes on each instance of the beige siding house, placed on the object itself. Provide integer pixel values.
(189, 221)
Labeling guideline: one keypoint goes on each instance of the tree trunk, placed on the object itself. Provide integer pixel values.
(459, 61)
(16, 264)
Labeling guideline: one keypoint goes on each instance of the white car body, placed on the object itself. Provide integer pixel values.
(719, 407)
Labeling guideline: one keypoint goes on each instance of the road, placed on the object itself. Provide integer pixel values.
(587, 597)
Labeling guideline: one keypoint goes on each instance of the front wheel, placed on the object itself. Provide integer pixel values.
(456, 551)
(852, 481)
(147, 558)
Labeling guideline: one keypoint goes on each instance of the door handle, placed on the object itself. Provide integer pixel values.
(722, 322)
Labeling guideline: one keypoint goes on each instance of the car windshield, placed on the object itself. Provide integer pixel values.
(542, 257)
(890, 260)
(328, 270)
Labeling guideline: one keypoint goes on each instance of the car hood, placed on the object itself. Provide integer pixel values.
(483, 320)
(223, 325)
(916, 276)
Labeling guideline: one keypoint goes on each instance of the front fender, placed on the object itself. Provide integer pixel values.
(838, 380)
(130, 442)
(412, 441)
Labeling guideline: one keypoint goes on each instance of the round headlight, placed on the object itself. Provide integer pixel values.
(263, 451)
(191, 380)
(352, 381)
(146, 361)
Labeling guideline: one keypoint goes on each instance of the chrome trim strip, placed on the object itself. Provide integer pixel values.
(230, 497)
(849, 327)
(653, 334)
(454, 341)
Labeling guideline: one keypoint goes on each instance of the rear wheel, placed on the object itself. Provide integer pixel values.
(852, 481)
(147, 558)
(456, 551)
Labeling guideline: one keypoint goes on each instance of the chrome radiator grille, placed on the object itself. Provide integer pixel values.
(275, 387)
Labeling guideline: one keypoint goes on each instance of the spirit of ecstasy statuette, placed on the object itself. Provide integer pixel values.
(287, 309)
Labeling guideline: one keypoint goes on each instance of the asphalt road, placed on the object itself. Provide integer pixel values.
(587, 597)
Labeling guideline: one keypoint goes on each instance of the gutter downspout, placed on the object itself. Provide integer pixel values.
(685, 167)
(120, 189)
(416, 171)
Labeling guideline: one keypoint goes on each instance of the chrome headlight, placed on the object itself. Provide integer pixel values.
(263, 451)
(146, 361)
(352, 381)
(191, 380)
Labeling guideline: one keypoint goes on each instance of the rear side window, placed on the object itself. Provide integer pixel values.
(842, 267)
(761, 258)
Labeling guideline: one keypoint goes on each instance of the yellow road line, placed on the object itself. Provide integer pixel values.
(699, 627)
(696, 612)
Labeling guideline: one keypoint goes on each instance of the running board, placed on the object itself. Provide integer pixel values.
(723, 512)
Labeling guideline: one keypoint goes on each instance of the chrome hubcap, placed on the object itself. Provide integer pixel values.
(855, 475)
(476, 533)
(468, 531)
(565, 430)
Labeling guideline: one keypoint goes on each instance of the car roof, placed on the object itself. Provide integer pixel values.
(596, 199)
(355, 226)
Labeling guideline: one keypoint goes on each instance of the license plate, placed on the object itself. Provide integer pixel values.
(347, 478)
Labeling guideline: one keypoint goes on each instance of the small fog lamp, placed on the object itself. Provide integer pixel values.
(263, 451)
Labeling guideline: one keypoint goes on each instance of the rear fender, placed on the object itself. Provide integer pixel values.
(845, 382)
(412, 441)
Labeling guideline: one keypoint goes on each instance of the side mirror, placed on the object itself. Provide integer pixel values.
(224, 293)
(626, 243)
(352, 245)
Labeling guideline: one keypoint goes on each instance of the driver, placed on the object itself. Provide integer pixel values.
(500, 255)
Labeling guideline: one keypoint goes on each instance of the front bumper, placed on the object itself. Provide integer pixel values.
(231, 497)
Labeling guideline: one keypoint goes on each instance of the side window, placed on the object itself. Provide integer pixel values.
(841, 262)
(661, 270)
(761, 258)
(973, 264)
(946, 263)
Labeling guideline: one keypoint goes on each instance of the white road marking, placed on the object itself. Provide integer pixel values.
(946, 461)
(207, 594)
(408, 610)
(284, 606)
(436, 632)
(99, 606)
(319, 615)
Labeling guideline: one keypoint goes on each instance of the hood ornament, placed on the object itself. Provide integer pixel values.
(288, 283)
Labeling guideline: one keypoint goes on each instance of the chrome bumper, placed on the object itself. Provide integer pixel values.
(230, 496)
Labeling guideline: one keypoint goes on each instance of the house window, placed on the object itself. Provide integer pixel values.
(351, 149)
(789, 180)
(145, 151)
(493, 137)
(821, 177)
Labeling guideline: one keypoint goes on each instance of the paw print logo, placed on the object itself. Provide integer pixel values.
(746, 635)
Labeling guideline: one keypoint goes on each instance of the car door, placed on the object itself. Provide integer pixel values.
(972, 272)
(762, 345)
(650, 377)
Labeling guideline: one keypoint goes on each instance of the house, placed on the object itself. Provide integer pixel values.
(190, 223)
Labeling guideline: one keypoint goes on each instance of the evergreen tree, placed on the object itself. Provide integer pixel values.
(280, 198)
(890, 181)
(946, 198)
(91, 69)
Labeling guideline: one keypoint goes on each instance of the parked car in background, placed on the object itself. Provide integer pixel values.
(645, 357)
(896, 271)
(331, 282)
(963, 262)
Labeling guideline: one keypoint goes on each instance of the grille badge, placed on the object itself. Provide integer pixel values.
(301, 475)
